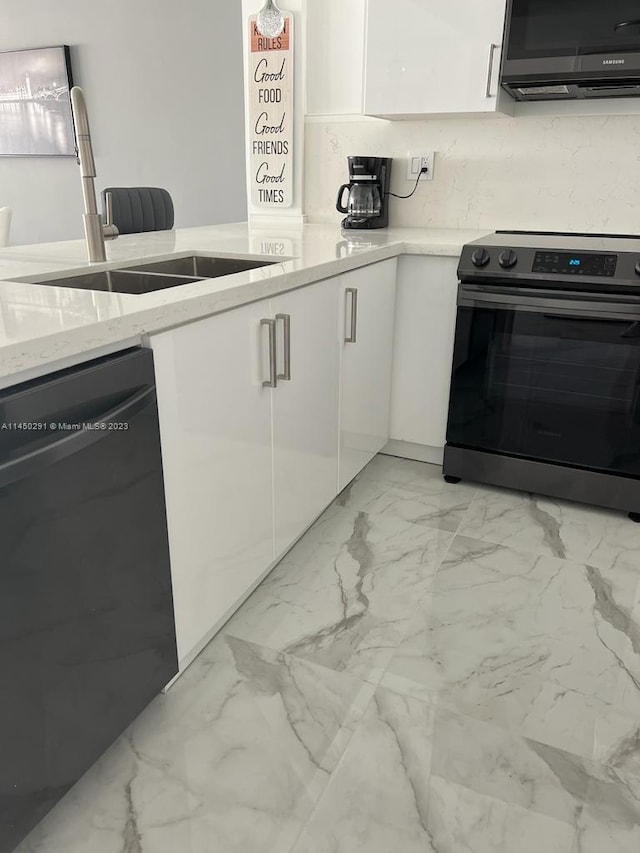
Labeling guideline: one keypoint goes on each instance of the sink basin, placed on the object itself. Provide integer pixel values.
(120, 281)
(201, 266)
(157, 275)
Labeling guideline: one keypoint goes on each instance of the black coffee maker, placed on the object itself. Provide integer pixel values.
(368, 200)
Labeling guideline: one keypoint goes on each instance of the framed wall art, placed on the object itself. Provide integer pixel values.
(35, 103)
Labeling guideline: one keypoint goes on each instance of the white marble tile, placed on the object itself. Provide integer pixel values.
(345, 593)
(618, 746)
(571, 531)
(529, 775)
(540, 645)
(508, 720)
(596, 835)
(463, 821)
(377, 800)
(231, 759)
(387, 795)
(504, 766)
(610, 820)
(408, 490)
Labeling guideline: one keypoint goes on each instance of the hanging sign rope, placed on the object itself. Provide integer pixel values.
(270, 129)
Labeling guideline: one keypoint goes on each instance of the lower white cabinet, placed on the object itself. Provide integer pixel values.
(367, 309)
(305, 409)
(251, 427)
(423, 353)
(215, 425)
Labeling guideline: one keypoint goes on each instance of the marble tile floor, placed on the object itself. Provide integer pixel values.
(431, 669)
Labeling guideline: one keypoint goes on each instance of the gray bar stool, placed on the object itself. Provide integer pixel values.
(137, 209)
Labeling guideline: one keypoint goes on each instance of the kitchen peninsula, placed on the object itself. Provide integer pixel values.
(44, 328)
(238, 395)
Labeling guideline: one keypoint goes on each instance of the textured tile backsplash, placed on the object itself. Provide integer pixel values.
(552, 173)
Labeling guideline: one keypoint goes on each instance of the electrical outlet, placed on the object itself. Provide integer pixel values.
(414, 164)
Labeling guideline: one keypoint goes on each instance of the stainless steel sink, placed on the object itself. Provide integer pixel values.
(157, 275)
(119, 281)
(201, 266)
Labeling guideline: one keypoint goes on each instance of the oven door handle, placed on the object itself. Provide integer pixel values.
(581, 306)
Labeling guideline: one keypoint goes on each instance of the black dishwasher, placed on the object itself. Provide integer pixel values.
(87, 633)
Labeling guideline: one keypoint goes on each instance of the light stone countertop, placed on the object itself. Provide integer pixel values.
(43, 328)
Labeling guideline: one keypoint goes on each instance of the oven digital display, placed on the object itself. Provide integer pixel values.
(566, 263)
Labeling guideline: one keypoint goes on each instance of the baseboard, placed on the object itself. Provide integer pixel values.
(409, 450)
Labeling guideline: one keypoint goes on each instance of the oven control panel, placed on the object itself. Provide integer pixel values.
(575, 263)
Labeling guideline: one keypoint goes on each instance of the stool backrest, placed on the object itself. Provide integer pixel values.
(138, 209)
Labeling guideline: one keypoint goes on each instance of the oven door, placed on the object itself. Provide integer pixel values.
(547, 376)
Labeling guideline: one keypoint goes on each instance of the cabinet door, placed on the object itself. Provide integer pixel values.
(367, 307)
(305, 410)
(215, 424)
(423, 349)
(434, 58)
(335, 56)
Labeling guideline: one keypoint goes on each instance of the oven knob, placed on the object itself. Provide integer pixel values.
(638, 268)
(508, 259)
(480, 258)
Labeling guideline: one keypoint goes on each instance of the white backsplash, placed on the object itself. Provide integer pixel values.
(550, 173)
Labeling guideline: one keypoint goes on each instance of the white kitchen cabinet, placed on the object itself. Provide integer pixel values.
(249, 467)
(215, 423)
(305, 410)
(335, 56)
(423, 351)
(366, 324)
(434, 58)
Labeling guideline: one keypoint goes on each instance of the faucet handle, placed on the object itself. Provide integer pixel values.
(110, 229)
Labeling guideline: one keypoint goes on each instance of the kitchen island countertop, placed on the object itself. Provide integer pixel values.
(43, 328)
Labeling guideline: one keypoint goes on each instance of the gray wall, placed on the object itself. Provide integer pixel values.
(163, 82)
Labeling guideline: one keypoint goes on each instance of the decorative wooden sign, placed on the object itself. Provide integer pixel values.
(270, 130)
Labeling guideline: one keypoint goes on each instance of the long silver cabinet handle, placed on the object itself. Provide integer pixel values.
(272, 381)
(492, 53)
(352, 337)
(286, 320)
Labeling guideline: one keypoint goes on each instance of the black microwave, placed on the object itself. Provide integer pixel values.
(568, 49)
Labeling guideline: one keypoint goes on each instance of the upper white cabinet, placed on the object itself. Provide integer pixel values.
(405, 59)
(215, 426)
(305, 408)
(433, 58)
(367, 307)
(335, 56)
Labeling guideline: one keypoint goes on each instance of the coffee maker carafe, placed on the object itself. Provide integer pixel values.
(368, 200)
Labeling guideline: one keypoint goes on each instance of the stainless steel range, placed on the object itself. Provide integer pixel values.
(545, 387)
